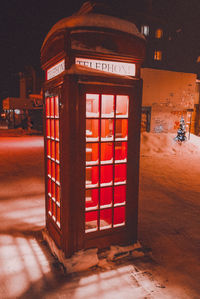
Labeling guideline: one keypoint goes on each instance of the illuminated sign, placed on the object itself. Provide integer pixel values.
(120, 68)
(56, 70)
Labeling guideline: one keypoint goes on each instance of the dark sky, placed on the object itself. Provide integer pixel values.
(25, 23)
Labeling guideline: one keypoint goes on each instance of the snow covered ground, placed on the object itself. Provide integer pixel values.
(169, 209)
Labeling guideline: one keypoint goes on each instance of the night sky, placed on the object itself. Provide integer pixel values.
(25, 23)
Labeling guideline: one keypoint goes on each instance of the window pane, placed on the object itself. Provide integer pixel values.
(57, 129)
(106, 175)
(92, 105)
(105, 219)
(120, 173)
(57, 193)
(92, 177)
(107, 106)
(52, 149)
(49, 203)
(92, 153)
(106, 152)
(47, 107)
(119, 195)
(58, 214)
(48, 148)
(92, 129)
(52, 128)
(54, 210)
(52, 106)
(49, 186)
(49, 167)
(121, 129)
(106, 197)
(48, 132)
(91, 199)
(53, 170)
(120, 151)
(56, 107)
(107, 129)
(57, 152)
(91, 221)
(53, 190)
(57, 172)
(122, 106)
(119, 216)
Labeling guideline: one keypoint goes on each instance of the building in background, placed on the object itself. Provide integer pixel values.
(26, 110)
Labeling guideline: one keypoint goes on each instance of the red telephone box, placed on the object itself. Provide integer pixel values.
(92, 131)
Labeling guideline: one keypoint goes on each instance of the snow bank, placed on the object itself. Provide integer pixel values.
(164, 144)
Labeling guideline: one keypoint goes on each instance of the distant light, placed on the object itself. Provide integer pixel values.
(17, 111)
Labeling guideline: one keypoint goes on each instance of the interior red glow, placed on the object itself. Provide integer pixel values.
(53, 157)
(106, 148)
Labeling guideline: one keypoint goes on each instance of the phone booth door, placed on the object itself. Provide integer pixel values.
(111, 149)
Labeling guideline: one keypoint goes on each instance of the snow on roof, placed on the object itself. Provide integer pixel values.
(95, 20)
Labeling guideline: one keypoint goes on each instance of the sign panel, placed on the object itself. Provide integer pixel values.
(56, 70)
(119, 68)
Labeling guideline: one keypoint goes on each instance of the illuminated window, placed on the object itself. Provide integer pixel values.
(145, 29)
(106, 159)
(157, 55)
(53, 158)
(159, 33)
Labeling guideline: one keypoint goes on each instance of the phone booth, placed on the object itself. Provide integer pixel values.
(92, 131)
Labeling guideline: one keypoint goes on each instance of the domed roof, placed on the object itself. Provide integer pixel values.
(94, 20)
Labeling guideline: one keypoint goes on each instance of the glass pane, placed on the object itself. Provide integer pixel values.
(107, 175)
(107, 106)
(57, 193)
(53, 190)
(54, 210)
(119, 195)
(57, 129)
(91, 221)
(91, 199)
(57, 172)
(56, 107)
(122, 106)
(52, 128)
(92, 105)
(92, 153)
(49, 208)
(120, 152)
(119, 216)
(105, 219)
(121, 129)
(92, 177)
(53, 170)
(106, 153)
(57, 152)
(47, 107)
(58, 214)
(48, 128)
(106, 197)
(52, 149)
(92, 130)
(48, 148)
(52, 106)
(49, 186)
(49, 167)
(106, 129)
(120, 173)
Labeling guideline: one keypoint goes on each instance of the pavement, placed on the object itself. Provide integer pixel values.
(27, 267)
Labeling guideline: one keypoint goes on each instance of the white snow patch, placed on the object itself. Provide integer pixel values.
(164, 143)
